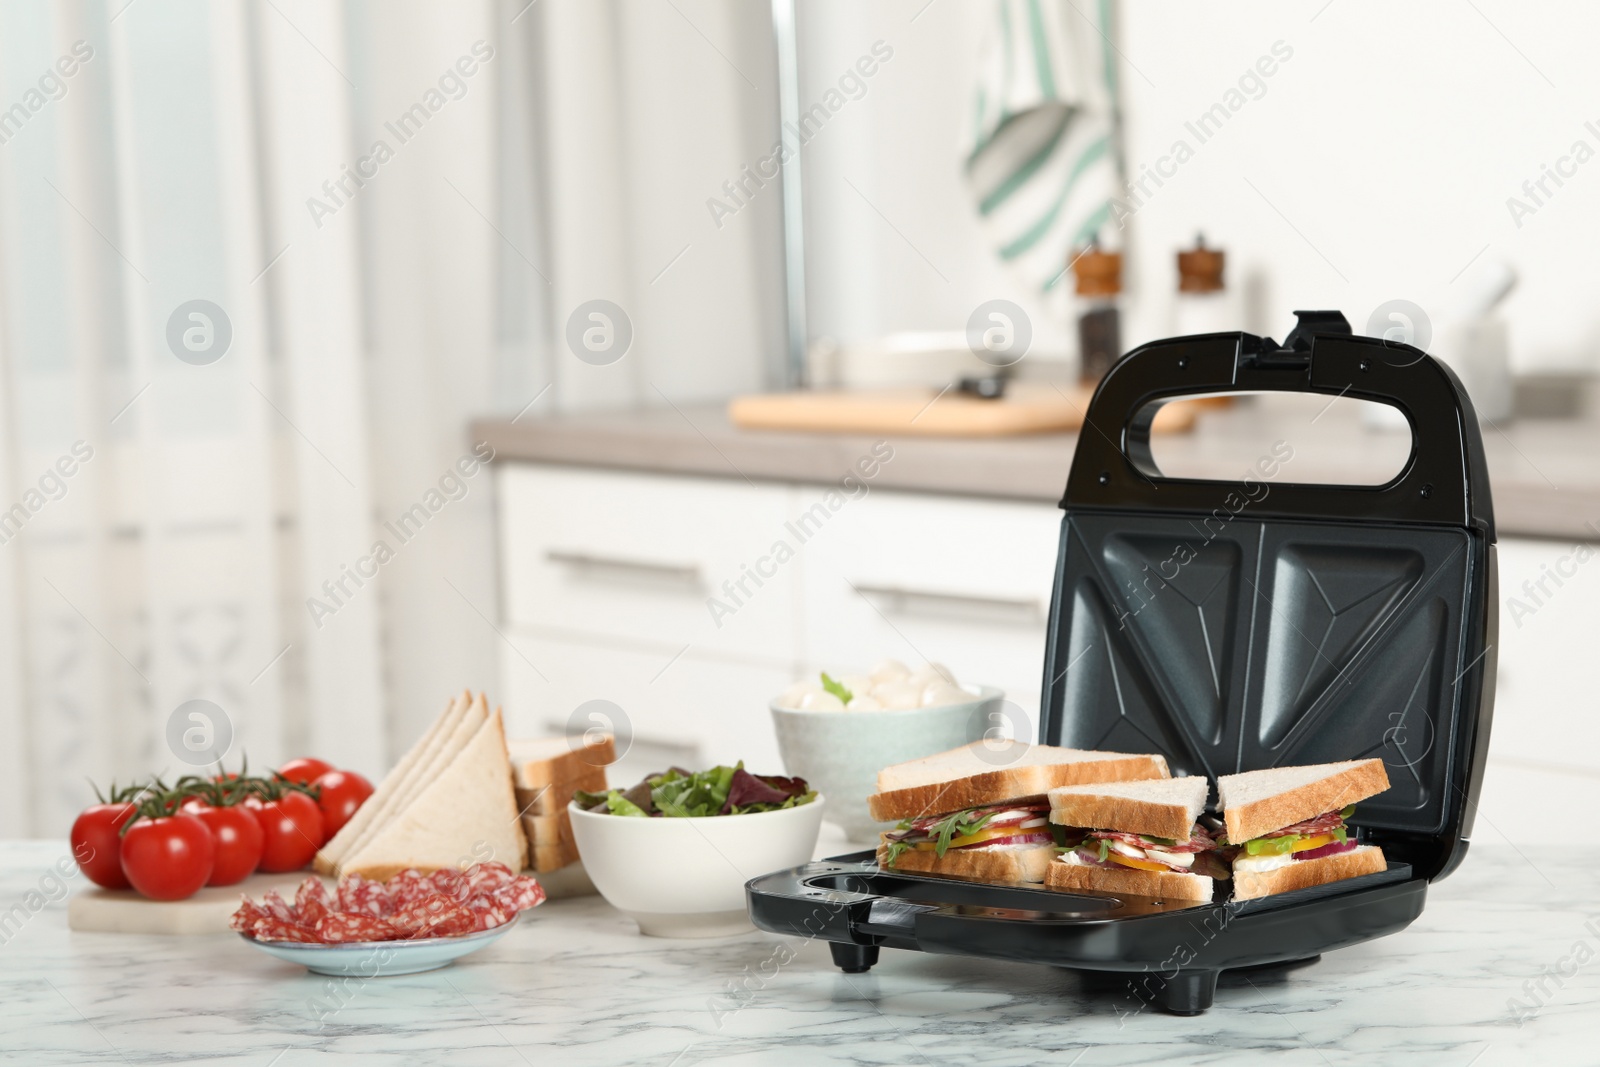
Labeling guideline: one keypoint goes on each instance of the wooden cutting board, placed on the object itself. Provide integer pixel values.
(1027, 407)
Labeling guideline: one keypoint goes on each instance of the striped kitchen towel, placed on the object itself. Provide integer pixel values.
(1043, 160)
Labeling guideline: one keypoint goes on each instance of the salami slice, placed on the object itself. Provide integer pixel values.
(337, 928)
(487, 913)
(311, 901)
(279, 908)
(409, 886)
(249, 913)
(523, 893)
(359, 896)
(436, 916)
(269, 929)
(486, 878)
(451, 883)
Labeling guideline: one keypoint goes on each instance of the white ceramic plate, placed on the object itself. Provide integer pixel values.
(373, 959)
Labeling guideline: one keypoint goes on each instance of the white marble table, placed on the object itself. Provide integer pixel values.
(575, 984)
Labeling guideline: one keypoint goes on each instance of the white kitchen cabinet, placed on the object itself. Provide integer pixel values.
(1544, 750)
(637, 557)
(608, 576)
(686, 709)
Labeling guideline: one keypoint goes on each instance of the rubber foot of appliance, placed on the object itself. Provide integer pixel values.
(1189, 992)
(853, 959)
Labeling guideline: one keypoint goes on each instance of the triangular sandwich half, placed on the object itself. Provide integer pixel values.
(1286, 825)
(1140, 838)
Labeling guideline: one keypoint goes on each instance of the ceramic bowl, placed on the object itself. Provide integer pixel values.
(840, 752)
(376, 959)
(685, 877)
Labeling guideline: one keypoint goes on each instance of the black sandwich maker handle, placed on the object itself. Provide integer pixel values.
(1444, 480)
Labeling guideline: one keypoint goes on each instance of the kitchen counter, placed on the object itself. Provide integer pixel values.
(1544, 477)
(575, 984)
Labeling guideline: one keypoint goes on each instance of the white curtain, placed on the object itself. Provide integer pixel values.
(181, 528)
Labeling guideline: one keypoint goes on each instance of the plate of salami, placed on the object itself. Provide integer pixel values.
(414, 922)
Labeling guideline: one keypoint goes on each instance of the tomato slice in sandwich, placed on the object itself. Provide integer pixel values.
(1143, 865)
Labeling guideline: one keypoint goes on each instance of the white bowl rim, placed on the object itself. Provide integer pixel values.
(986, 693)
(817, 802)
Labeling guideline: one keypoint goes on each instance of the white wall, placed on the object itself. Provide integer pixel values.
(1390, 140)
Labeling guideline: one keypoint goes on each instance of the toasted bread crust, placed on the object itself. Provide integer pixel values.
(1368, 859)
(1165, 885)
(1159, 819)
(1007, 785)
(1333, 793)
(977, 865)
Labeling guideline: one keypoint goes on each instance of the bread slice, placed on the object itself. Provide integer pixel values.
(548, 829)
(548, 760)
(553, 799)
(1164, 807)
(554, 856)
(467, 814)
(1259, 802)
(392, 785)
(987, 772)
(1164, 885)
(1368, 859)
(463, 729)
(1002, 865)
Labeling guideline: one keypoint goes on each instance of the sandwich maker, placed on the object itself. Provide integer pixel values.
(1233, 626)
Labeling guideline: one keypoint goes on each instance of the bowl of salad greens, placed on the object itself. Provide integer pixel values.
(674, 852)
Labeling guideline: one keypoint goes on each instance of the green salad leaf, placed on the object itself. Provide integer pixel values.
(894, 851)
(838, 690)
(956, 824)
(682, 794)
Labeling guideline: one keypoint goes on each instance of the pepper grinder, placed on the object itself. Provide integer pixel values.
(1099, 284)
(1202, 305)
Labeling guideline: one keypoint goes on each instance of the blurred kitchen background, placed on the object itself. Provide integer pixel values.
(276, 275)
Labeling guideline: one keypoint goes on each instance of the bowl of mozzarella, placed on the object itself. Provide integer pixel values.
(837, 732)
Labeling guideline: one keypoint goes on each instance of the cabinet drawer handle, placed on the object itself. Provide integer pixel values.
(903, 601)
(590, 565)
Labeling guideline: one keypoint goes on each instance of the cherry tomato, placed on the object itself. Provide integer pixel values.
(340, 794)
(304, 770)
(168, 857)
(291, 829)
(96, 844)
(238, 838)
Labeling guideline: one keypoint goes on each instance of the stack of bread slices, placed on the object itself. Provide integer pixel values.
(449, 802)
(547, 772)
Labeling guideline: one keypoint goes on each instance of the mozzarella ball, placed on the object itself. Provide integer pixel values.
(795, 693)
(865, 702)
(821, 700)
(898, 696)
(890, 670)
(931, 672)
(940, 693)
(856, 683)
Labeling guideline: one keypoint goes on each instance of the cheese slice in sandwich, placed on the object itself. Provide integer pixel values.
(1141, 838)
(978, 812)
(464, 814)
(394, 784)
(1286, 825)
